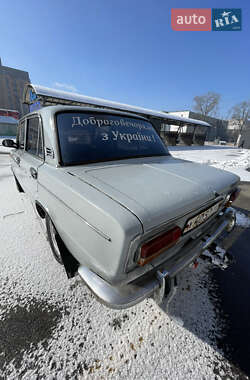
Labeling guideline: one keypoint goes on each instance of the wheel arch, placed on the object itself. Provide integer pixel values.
(69, 262)
(41, 210)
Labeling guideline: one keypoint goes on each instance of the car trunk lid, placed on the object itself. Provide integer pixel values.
(158, 189)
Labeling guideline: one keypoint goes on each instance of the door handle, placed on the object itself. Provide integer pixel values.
(33, 173)
(17, 159)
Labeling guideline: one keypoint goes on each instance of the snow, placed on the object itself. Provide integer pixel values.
(218, 257)
(242, 220)
(58, 94)
(71, 335)
(227, 158)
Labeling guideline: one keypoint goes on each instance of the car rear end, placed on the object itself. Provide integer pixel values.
(157, 257)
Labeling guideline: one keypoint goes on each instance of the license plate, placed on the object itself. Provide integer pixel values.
(201, 218)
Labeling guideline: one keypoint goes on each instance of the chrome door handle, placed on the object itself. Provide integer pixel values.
(17, 159)
(33, 173)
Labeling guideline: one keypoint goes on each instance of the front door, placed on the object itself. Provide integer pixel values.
(17, 155)
(33, 155)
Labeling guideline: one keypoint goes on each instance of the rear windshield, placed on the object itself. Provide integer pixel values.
(96, 137)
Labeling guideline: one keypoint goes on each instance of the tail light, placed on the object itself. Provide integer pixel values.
(156, 246)
(233, 196)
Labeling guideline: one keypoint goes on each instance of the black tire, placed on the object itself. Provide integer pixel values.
(54, 240)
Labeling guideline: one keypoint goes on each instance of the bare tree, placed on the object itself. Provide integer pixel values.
(207, 104)
(241, 113)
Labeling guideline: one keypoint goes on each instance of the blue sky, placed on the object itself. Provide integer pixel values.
(126, 50)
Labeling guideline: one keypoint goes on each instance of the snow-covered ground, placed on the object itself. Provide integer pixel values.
(53, 328)
(228, 158)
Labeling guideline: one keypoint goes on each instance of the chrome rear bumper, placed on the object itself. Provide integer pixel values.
(121, 297)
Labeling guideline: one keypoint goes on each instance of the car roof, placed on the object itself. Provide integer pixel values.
(52, 110)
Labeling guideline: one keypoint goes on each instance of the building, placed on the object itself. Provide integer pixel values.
(244, 139)
(12, 82)
(218, 129)
(236, 133)
(233, 125)
(240, 137)
(233, 130)
(8, 123)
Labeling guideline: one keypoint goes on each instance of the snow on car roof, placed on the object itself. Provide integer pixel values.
(34, 93)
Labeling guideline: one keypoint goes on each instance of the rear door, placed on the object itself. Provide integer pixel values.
(33, 155)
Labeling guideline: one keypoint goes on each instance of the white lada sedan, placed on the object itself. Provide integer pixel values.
(120, 211)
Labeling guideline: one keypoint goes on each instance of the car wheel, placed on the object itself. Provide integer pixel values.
(54, 240)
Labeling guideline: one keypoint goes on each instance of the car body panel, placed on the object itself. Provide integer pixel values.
(157, 189)
(105, 211)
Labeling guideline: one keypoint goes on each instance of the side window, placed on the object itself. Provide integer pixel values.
(21, 135)
(34, 141)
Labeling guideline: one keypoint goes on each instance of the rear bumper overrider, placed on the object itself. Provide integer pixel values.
(121, 297)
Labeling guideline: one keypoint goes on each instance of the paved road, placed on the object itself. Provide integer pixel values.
(233, 287)
(243, 201)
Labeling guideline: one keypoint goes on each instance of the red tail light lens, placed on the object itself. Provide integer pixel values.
(156, 246)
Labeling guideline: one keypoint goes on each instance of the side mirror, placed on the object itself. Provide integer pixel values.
(8, 143)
